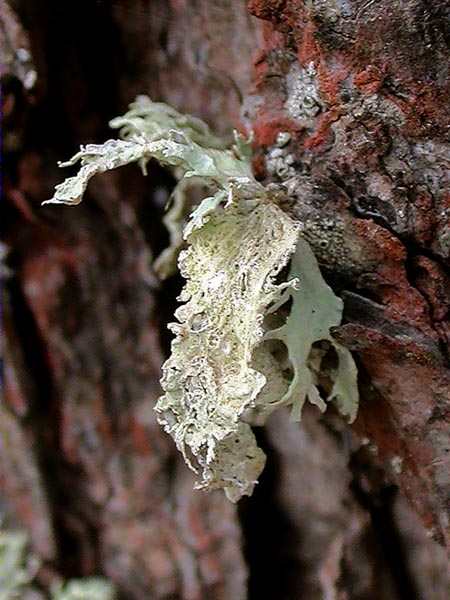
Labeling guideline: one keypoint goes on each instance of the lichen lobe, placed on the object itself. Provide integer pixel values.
(209, 380)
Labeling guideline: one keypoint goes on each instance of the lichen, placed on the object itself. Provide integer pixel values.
(225, 370)
(89, 588)
(302, 95)
(209, 381)
(315, 310)
(17, 567)
(154, 130)
(185, 196)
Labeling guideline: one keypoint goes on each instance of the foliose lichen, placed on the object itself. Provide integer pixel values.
(209, 381)
(225, 371)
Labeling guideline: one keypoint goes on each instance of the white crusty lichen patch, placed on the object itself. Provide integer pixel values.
(225, 370)
(302, 94)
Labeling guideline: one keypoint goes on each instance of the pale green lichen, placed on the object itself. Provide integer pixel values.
(185, 196)
(154, 130)
(154, 119)
(88, 588)
(315, 310)
(18, 569)
(225, 369)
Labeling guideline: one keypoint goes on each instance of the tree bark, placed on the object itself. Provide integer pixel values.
(341, 512)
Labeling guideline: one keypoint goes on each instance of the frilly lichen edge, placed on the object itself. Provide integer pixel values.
(221, 374)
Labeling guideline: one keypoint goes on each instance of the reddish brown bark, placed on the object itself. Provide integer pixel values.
(373, 158)
(84, 466)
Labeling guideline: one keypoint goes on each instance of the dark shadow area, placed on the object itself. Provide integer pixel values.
(378, 499)
(269, 537)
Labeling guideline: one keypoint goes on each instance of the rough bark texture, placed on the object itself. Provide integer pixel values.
(360, 88)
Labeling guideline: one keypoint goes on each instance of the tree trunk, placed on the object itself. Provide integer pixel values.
(341, 512)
